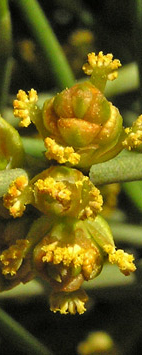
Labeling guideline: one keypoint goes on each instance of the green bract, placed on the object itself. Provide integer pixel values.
(11, 149)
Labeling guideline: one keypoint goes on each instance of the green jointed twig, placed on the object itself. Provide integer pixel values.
(19, 338)
(5, 51)
(125, 167)
(47, 41)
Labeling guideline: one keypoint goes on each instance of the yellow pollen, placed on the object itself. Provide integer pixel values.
(55, 189)
(12, 199)
(24, 106)
(122, 259)
(12, 257)
(60, 153)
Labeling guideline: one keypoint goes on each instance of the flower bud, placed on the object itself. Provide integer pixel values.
(82, 119)
(64, 252)
(67, 256)
(79, 126)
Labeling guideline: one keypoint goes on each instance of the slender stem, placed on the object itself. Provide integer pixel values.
(125, 167)
(47, 41)
(5, 51)
(19, 338)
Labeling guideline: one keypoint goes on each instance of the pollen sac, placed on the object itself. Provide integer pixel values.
(64, 191)
(81, 118)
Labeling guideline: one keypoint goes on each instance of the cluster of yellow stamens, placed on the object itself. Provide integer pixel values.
(122, 259)
(55, 189)
(13, 199)
(60, 153)
(73, 255)
(25, 106)
(12, 257)
(134, 135)
(102, 62)
(71, 302)
(94, 205)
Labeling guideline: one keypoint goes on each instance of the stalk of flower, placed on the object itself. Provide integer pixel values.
(101, 68)
(58, 190)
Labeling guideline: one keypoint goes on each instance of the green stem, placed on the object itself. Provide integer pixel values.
(125, 167)
(47, 41)
(5, 51)
(19, 338)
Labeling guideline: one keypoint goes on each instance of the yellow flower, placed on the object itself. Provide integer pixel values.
(66, 192)
(64, 252)
(79, 126)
